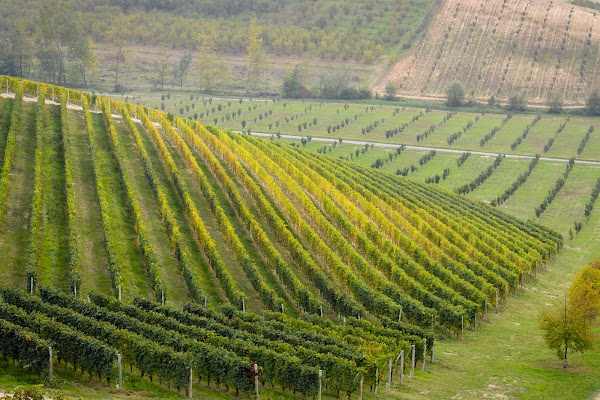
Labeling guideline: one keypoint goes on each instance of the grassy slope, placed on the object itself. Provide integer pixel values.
(252, 300)
(243, 234)
(152, 218)
(508, 358)
(129, 257)
(15, 227)
(5, 109)
(54, 257)
(92, 253)
(205, 274)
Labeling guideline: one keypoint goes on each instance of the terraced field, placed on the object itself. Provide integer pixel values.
(503, 48)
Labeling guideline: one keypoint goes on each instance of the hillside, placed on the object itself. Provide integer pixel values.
(504, 48)
(133, 203)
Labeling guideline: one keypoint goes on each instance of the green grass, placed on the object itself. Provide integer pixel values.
(206, 277)
(54, 255)
(92, 252)
(569, 205)
(269, 117)
(15, 226)
(506, 173)
(5, 112)
(507, 358)
(253, 302)
(129, 257)
(243, 234)
(173, 280)
(522, 204)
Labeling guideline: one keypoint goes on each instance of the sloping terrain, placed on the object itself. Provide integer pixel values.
(504, 48)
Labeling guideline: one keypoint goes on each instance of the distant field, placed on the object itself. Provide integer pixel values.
(372, 122)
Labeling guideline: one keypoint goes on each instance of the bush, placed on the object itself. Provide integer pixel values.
(455, 94)
(592, 104)
(516, 103)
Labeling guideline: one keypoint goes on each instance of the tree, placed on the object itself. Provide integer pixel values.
(129, 59)
(516, 103)
(568, 326)
(592, 104)
(256, 56)
(555, 103)
(293, 88)
(20, 49)
(118, 35)
(565, 328)
(161, 67)
(455, 94)
(390, 91)
(56, 33)
(182, 68)
(82, 52)
(584, 293)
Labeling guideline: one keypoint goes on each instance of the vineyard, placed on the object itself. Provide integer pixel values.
(503, 48)
(141, 205)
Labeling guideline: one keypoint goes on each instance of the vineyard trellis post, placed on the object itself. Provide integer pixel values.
(282, 309)
(162, 297)
(486, 314)
(31, 284)
(496, 301)
(401, 366)
(400, 315)
(360, 388)
(120, 368)
(412, 364)
(432, 351)
(320, 387)
(424, 353)
(119, 292)
(475, 322)
(256, 379)
(205, 300)
(389, 377)
(243, 305)
(462, 327)
(50, 366)
(376, 379)
(190, 394)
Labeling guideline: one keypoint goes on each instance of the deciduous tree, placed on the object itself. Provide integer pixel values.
(455, 94)
(565, 328)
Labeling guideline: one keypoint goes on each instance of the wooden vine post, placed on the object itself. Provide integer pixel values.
(360, 388)
(412, 364)
(120, 368)
(389, 380)
(424, 354)
(256, 379)
(190, 388)
(401, 366)
(50, 366)
(320, 387)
